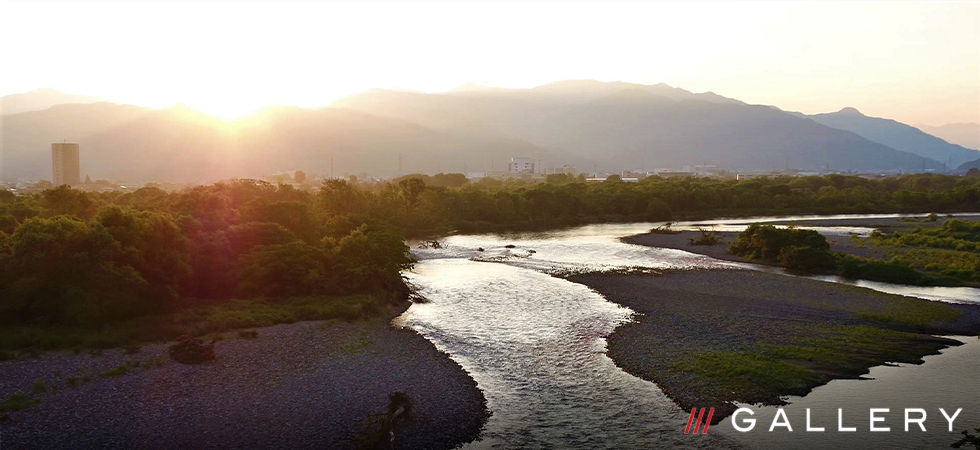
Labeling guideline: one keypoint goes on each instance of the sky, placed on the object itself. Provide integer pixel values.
(916, 62)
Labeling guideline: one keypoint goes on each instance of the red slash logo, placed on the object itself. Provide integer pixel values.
(697, 424)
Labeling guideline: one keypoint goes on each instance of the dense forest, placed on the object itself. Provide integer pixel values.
(70, 258)
(446, 204)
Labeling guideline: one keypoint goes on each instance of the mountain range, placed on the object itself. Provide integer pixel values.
(39, 99)
(897, 135)
(587, 124)
(965, 134)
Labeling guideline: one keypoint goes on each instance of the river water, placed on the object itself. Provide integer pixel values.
(535, 343)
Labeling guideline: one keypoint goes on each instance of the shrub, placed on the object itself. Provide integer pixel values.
(248, 334)
(806, 259)
(190, 350)
(39, 387)
(664, 229)
(765, 242)
(706, 238)
(849, 266)
(794, 249)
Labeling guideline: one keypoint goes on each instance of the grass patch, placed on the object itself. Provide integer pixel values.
(767, 372)
(195, 321)
(39, 387)
(353, 345)
(117, 371)
(748, 375)
(853, 348)
(132, 349)
(911, 313)
(154, 362)
(17, 401)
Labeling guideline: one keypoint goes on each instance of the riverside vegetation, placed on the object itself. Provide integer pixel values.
(108, 269)
(105, 270)
(946, 255)
(950, 250)
(112, 269)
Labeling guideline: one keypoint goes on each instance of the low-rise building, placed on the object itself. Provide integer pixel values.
(521, 165)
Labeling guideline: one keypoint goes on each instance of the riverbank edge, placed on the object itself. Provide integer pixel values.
(474, 432)
(543, 225)
(443, 368)
(628, 351)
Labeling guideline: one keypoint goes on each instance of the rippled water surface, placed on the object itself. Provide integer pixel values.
(535, 346)
(535, 343)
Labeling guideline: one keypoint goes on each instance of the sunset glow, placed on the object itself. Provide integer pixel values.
(915, 62)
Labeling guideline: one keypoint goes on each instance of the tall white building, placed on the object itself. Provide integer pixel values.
(521, 165)
(64, 164)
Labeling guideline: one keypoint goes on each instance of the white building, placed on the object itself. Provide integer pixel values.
(566, 169)
(521, 165)
(64, 164)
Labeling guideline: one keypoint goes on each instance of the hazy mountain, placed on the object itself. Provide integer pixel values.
(975, 164)
(584, 91)
(40, 99)
(587, 124)
(128, 143)
(588, 90)
(622, 125)
(965, 134)
(897, 135)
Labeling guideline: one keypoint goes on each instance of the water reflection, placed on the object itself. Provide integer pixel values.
(536, 343)
(948, 381)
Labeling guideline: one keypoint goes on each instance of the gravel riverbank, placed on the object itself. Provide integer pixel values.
(682, 313)
(302, 385)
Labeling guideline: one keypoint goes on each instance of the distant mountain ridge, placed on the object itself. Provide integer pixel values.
(965, 134)
(134, 144)
(587, 124)
(622, 125)
(897, 135)
(40, 99)
(975, 164)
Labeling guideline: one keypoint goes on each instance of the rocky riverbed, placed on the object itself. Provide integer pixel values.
(685, 312)
(302, 385)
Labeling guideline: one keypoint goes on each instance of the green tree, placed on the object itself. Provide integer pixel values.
(63, 200)
(286, 270)
(337, 196)
(65, 271)
(410, 190)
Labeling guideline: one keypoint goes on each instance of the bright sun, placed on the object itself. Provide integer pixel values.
(228, 110)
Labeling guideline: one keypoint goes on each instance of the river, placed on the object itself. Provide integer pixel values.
(535, 343)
